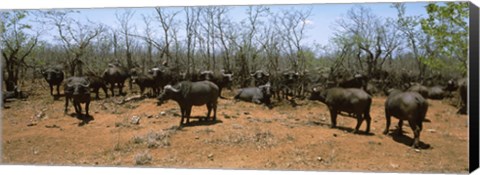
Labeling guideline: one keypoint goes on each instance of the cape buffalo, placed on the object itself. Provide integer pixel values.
(221, 79)
(77, 89)
(115, 75)
(96, 83)
(145, 81)
(350, 100)
(188, 94)
(54, 76)
(410, 106)
(256, 95)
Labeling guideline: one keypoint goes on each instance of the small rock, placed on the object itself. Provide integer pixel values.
(334, 135)
(31, 124)
(319, 159)
(246, 113)
(323, 119)
(196, 137)
(417, 150)
(394, 165)
(163, 113)
(237, 126)
(210, 156)
(431, 130)
(149, 116)
(135, 120)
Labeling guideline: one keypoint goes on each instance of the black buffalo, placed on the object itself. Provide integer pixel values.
(221, 79)
(77, 89)
(188, 94)
(410, 106)
(145, 81)
(350, 100)
(96, 83)
(422, 90)
(288, 84)
(15, 94)
(54, 77)
(258, 95)
(260, 77)
(115, 75)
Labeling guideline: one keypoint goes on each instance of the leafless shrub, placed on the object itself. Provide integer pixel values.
(137, 140)
(264, 139)
(143, 158)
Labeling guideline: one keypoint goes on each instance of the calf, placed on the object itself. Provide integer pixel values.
(77, 89)
(350, 100)
(258, 95)
(410, 106)
(188, 94)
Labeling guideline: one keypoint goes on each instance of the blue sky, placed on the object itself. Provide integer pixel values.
(320, 29)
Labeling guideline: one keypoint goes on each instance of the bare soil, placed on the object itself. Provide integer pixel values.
(245, 136)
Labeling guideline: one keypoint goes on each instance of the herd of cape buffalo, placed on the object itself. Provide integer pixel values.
(338, 90)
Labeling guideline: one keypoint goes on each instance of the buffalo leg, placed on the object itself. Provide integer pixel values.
(416, 133)
(388, 118)
(183, 111)
(400, 124)
(105, 91)
(214, 111)
(112, 86)
(58, 90)
(359, 122)
(369, 120)
(189, 111)
(87, 104)
(66, 105)
(51, 89)
(333, 117)
(76, 106)
(209, 109)
(96, 90)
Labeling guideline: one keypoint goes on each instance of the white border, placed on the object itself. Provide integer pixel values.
(61, 170)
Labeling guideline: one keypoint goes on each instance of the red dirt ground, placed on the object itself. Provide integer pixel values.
(246, 136)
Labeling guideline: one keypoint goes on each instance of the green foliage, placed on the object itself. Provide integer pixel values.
(447, 25)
